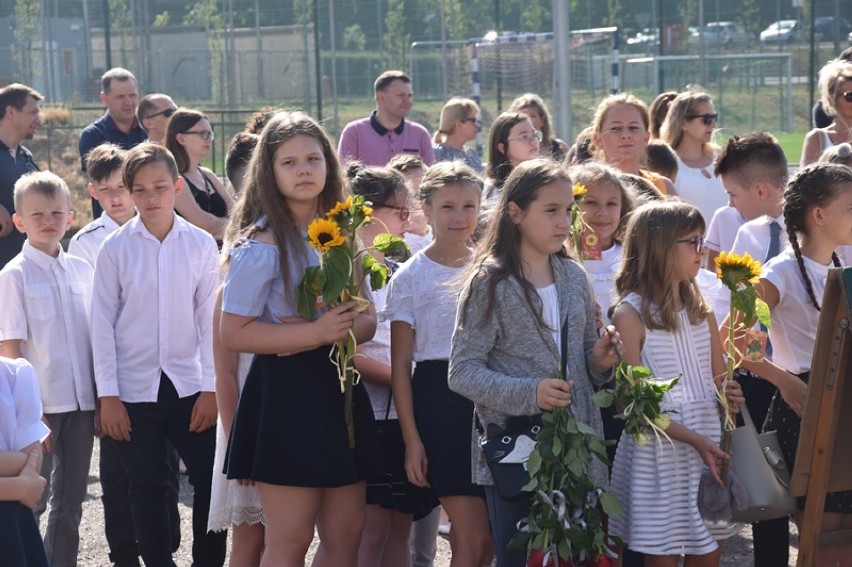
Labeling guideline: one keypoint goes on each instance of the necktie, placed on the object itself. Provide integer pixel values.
(774, 240)
(774, 249)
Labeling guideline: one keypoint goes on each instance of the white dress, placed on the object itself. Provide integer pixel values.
(230, 502)
(602, 274)
(694, 187)
(657, 483)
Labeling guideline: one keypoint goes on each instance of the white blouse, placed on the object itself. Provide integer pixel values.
(424, 294)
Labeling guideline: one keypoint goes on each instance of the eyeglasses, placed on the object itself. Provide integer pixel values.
(167, 113)
(528, 137)
(203, 134)
(708, 118)
(696, 241)
(847, 96)
(404, 213)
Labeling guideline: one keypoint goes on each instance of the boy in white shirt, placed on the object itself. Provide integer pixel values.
(753, 169)
(103, 164)
(46, 295)
(152, 310)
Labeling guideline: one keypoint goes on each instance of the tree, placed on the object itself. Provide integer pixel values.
(206, 13)
(354, 38)
(27, 36)
(396, 38)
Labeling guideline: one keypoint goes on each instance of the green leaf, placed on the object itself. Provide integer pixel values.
(547, 417)
(575, 466)
(309, 288)
(534, 463)
(611, 505)
(377, 271)
(337, 268)
(557, 446)
(585, 429)
(388, 243)
(761, 311)
(604, 398)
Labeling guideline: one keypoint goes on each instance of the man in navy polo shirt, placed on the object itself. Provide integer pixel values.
(120, 94)
(385, 133)
(19, 119)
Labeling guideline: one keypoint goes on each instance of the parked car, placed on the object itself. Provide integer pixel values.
(724, 33)
(645, 37)
(826, 28)
(784, 31)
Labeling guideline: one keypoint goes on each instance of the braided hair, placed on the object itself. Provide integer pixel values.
(816, 185)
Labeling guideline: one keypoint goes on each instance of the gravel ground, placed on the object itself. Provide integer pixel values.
(94, 550)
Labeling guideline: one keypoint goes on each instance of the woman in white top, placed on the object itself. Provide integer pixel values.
(835, 87)
(688, 129)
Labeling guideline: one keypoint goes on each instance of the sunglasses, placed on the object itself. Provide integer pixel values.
(167, 113)
(708, 118)
(203, 134)
(847, 96)
(696, 241)
(403, 212)
(529, 137)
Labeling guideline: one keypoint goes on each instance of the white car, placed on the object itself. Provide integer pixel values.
(725, 33)
(784, 31)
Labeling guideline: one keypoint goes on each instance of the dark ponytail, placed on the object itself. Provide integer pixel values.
(814, 186)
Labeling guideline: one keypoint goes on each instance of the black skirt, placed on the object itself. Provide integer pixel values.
(445, 422)
(20, 541)
(290, 430)
(784, 420)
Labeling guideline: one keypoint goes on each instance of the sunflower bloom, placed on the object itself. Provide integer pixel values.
(324, 234)
(367, 210)
(579, 190)
(339, 208)
(736, 271)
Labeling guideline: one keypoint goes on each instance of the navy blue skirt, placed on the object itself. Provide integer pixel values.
(20, 541)
(290, 430)
(445, 423)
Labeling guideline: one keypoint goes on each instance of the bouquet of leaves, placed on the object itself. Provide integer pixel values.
(639, 393)
(566, 521)
(343, 266)
(738, 274)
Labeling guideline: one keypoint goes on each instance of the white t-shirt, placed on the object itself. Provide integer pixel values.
(425, 294)
(694, 187)
(550, 312)
(20, 406)
(416, 242)
(794, 319)
(753, 237)
(602, 275)
(723, 229)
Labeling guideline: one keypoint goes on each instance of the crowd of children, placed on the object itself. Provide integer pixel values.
(147, 337)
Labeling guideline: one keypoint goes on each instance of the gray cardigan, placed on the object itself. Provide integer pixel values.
(499, 363)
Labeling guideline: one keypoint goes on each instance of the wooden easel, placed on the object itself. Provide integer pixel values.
(824, 458)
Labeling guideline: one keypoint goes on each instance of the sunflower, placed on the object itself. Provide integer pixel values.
(324, 234)
(367, 210)
(579, 190)
(736, 271)
(339, 208)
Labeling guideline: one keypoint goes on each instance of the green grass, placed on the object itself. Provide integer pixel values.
(792, 144)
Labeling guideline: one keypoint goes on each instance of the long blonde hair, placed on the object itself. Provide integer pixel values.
(455, 109)
(649, 265)
(680, 109)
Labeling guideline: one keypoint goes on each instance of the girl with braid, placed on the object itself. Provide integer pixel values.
(818, 217)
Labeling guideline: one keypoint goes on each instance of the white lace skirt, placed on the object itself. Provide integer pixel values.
(230, 503)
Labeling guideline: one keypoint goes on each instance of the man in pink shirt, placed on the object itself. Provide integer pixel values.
(385, 133)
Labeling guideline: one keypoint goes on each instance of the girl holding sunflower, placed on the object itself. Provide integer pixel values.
(289, 435)
(421, 308)
(818, 219)
(666, 326)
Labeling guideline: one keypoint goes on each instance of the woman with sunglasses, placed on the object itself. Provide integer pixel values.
(688, 128)
(459, 125)
(205, 202)
(835, 87)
